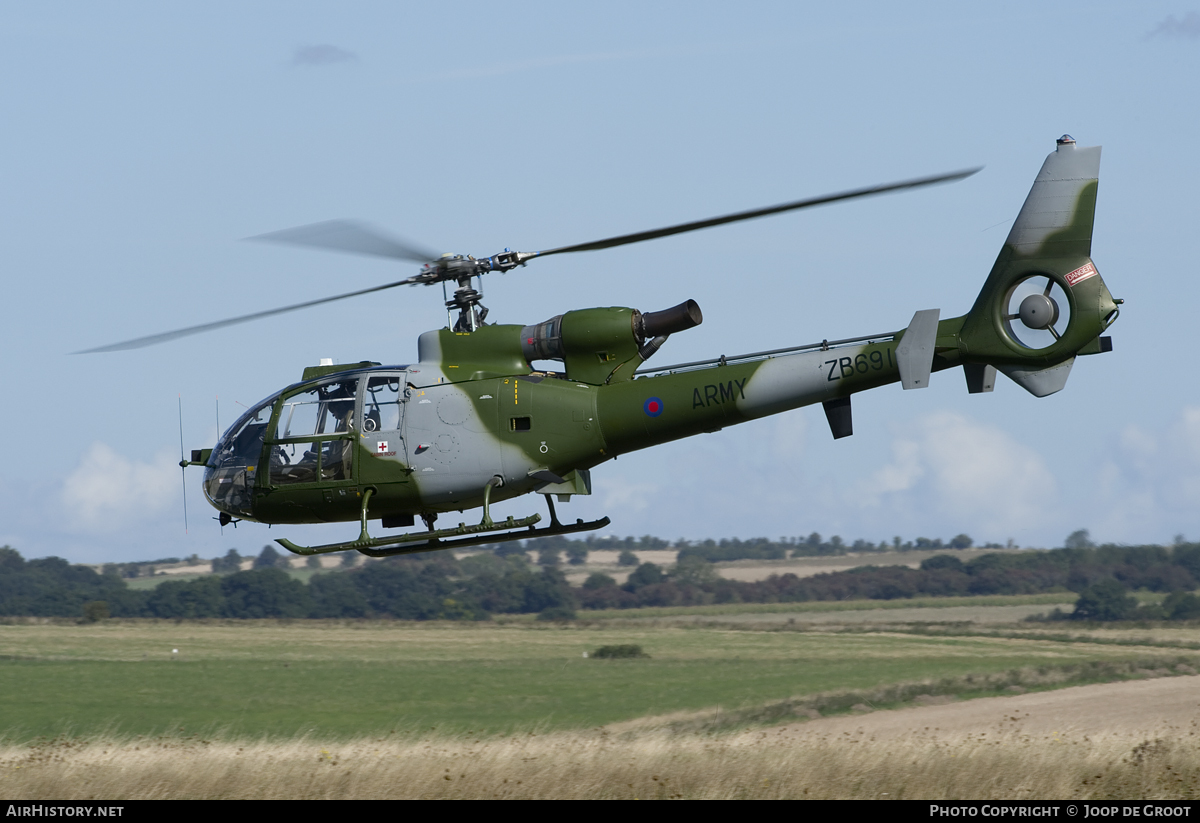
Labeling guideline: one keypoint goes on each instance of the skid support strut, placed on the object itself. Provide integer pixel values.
(486, 531)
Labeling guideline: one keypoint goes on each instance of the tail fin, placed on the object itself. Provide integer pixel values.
(1044, 302)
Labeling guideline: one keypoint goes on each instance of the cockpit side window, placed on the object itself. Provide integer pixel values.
(323, 416)
(381, 404)
(326, 409)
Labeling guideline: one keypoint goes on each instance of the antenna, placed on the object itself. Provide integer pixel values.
(183, 464)
(217, 409)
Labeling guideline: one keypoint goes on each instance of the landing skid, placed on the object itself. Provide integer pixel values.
(486, 531)
(438, 544)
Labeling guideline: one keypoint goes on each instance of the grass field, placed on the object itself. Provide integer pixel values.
(750, 765)
(814, 607)
(326, 709)
(345, 680)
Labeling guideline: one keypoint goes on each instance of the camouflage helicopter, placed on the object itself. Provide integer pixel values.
(473, 422)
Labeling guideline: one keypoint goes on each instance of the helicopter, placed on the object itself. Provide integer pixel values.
(473, 422)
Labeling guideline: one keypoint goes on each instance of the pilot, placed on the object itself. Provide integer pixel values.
(338, 400)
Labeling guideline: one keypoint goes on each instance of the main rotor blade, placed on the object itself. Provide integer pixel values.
(750, 215)
(351, 236)
(153, 339)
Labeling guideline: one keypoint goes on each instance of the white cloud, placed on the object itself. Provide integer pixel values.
(323, 54)
(107, 489)
(1151, 482)
(710, 485)
(903, 472)
(948, 467)
(629, 497)
(1187, 26)
(789, 433)
(1188, 432)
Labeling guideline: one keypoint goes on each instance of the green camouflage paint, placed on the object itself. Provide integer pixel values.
(476, 416)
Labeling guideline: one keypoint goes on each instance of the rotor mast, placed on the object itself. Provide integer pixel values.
(462, 270)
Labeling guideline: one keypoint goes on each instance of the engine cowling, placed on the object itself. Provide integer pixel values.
(597, 345)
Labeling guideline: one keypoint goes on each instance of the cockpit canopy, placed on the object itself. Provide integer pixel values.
(307, 432)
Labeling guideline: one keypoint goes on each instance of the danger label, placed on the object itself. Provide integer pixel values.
(1081, 273)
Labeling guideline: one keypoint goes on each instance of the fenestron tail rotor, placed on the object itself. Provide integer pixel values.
(359, 238)
(1037, 312)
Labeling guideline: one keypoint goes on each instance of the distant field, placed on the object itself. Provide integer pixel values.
(605, 561)
(1046, 602)
(340, 680)
(189, 573)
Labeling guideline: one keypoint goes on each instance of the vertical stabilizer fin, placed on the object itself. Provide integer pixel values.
(1056, 220)
(837, 412)
(1048, 250)
(980, 377)
(914, 355)
(1040, 382)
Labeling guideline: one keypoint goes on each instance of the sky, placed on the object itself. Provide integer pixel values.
(141, 142)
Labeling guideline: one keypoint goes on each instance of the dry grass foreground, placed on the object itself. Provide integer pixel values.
(922, 756)
(1126, 708)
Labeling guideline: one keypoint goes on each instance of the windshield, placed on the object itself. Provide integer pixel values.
(242, 443)
(229, 476)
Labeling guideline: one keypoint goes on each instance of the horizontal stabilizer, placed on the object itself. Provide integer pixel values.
(1040, 382)
(914, 355)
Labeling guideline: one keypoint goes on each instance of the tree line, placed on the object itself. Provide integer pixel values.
(726, 549)
(436, 586)
(550, 550)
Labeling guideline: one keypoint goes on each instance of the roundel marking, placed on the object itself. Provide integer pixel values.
(653, 407)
